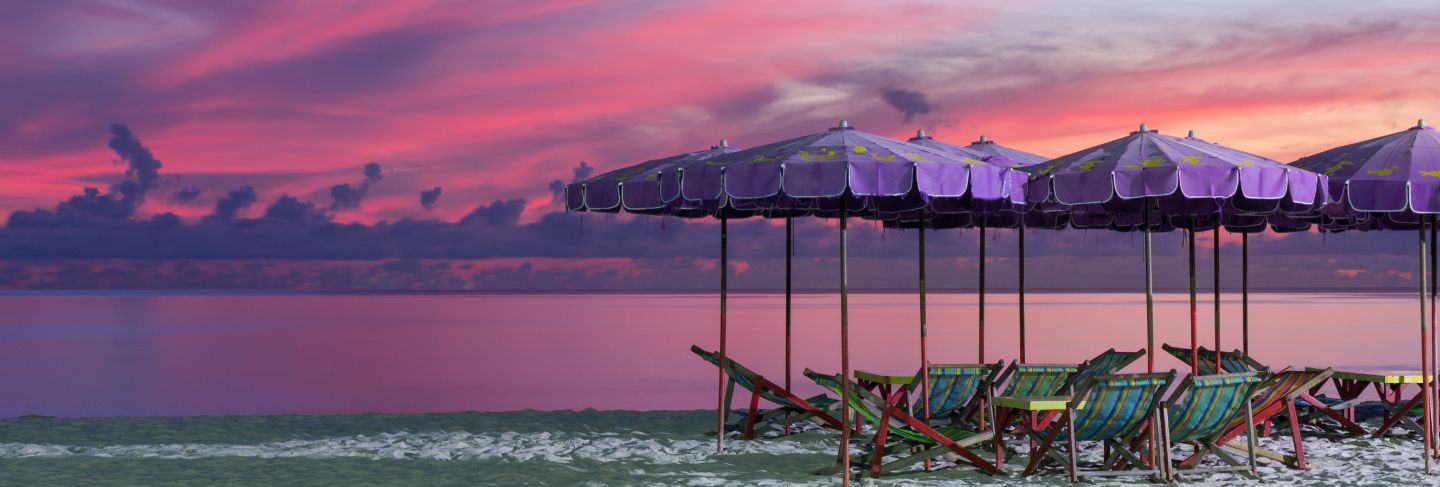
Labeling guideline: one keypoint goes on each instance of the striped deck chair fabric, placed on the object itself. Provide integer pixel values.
(1233, 362)
(1278, 394)
(1202, 408)
(1116, 410)
(890, 420)
(760, 387)
(1108, 362)
(955, 389)
(1025, 380)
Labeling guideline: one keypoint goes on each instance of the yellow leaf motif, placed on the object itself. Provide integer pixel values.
(714, 163)
(1330, 171)
(917, 157)
(1433, 174)
(1087, 166)
(890, 157)
(970, 161)
(828, 154)
(1193, 159)
(860, 149)
(1152, 162)
(652, 176)
(1247, 163)
(1049, 169)
(1382, 172)
(763, 159)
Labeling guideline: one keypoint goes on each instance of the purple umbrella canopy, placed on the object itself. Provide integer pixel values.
(1394, 176)
(998, 184)
(807, 175)
(1193, 181)
(637, 188)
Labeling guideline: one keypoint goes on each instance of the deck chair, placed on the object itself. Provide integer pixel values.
(1108, 362)
(1119, 410)
(1278, 394)
(1050, 380)
(957, 391)
(1201, 409)
(1233, 362)
(889, 420)
(818, 408)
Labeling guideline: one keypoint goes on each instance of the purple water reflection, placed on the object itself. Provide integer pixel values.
(98, 354)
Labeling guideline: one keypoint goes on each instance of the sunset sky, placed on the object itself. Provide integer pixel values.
(493, 101)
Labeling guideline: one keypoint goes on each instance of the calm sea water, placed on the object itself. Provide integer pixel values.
(140, 354)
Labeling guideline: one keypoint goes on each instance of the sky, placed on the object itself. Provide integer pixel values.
(414, 145)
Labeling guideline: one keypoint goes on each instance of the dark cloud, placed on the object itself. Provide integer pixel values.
(498, 213)
(908, 103)
(581, 172)
(430, 197)
(142, 172)
(232, 203)
(288, 209)
(186, 194)
(347, 196)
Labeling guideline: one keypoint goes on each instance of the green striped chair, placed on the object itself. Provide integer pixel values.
(956, 390)
(1233, 362)
(1278, 394)
(818, 408)
(916, 438)
(1108, 362)
(1031, 380)
(1201, 409)
(1118, 410)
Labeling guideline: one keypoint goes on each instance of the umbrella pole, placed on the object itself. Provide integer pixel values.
(789, 251)
(1425, 343)
(1245, 293)
(1435, 367)
(924, 352)
(1194, 319)
(1149, 297)
(844, 351)
(1216, 261)
(982, 294)
(1022, 293)
(724, 289)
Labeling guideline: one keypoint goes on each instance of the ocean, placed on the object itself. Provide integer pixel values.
(152, 388)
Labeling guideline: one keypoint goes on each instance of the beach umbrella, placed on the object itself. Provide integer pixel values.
(839, 173)
(1393, 182)
(1001, 163)
(1151, 182)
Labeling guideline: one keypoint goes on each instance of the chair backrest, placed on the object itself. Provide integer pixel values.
(1115, 406)
(866, 404)
(1204, 406)
(953, 387)
(743, 376)
(1233, 362)
(1286, 385)
(1036, 379)
(1108, 362)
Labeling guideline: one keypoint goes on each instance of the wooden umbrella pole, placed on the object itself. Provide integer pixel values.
(724, 291)
(1434, 366)
(1425, 345)
(1245, 293)
(1022, 293)
(924, 348)
(789, 251)
(1194, 317)
(982, 294)
(844, 351)
(1149, 297)
(1216, 262)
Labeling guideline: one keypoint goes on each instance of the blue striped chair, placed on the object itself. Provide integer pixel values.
(1108, 362)
(1202, 409)
(1121, 411)
(1233, 362)
(890, 420)
(819, 408)
(957, 391)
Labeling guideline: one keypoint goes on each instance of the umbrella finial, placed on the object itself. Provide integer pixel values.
(724, 142)
(844, 124)
(984, 139)
(920, 134)
(1144, 127)
(1420, 123)
(1192, 134)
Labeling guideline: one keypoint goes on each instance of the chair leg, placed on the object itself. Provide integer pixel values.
(1295, 435)
(754, 409)
(1069, 416)
(1040, 452)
